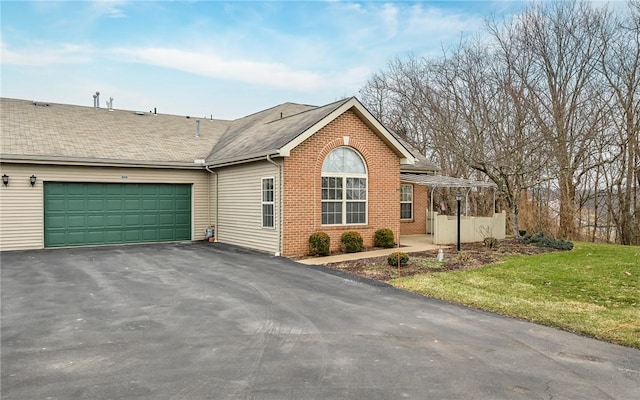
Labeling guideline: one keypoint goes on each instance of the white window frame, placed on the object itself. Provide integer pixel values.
(404, 201)
(264, 202)
(344, 201)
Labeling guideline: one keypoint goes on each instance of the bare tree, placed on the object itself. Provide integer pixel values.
(620, 66)
(489, 128)
(553, 48)
(550, 99)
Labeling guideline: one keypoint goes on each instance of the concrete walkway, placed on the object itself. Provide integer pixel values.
(409, 244)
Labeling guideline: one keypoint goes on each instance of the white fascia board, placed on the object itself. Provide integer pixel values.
(406, 158)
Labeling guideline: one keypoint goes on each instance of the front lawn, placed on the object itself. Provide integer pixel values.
(593, 290)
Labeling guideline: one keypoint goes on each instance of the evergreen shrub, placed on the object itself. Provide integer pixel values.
(319, 244)
(352, 242)
(383, 238)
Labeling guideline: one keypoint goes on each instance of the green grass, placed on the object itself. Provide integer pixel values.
(593, 290)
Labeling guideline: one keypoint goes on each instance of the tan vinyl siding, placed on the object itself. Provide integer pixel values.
(22, 210)
(240, 206)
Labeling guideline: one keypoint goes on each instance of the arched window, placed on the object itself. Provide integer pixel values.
(344, 188)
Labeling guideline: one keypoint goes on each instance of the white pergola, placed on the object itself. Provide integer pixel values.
(440, 181)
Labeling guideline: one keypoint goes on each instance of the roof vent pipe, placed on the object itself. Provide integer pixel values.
(110, 103)
(94, 101)
(197, 128)
(97, 96)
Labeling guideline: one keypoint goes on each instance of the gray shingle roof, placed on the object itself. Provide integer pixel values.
(68, 132)
(421, 164)
(267, 131)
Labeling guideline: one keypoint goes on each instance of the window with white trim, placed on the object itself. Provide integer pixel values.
(406, 201)
(344, 188)
(268, 204)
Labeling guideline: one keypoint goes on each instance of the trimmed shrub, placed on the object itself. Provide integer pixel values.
(490, 242)
(319, 244)
(383, 238)
(393, 259)
(352, 242)
(542, 240)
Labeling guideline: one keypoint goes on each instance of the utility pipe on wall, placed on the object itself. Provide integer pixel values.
(215, 226)
(280, 211)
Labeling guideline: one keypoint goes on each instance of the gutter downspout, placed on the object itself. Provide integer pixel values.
(280, 211)
(215, 227)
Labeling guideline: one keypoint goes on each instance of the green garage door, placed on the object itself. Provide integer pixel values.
(102, 213)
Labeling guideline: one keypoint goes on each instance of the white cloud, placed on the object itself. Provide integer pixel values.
(41, 56)
(263, 73)
(320, 53)
(389, 15)
(425, 21)
(108, 8)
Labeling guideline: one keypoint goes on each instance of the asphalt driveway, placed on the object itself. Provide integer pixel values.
(202, 321)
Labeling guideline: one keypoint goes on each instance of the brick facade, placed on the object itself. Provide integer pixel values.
(302, 180)
(418, 225)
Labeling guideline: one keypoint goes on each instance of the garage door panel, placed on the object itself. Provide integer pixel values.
(149, 190)
(76, 190)
(152, 234)
(182, 232)
(114, 220)
(132, 220)
(183, 217)
(165, 205)
(132, 236)
(132, 204)
(51, 190)
(132, 189)
(74, 204)
(149, 204)
(56, 239)
(165, 219)
(182, 190)
(55, 222)
(95, 237)
(114, 204)
(150, 219)
(95, 204)
(95, 221)
(114, 190)
(75, 238)
(114, 236)
(55, 204)
(183, 205)
(76, 221)
(98, 213)
(165, 234)
(96, 190)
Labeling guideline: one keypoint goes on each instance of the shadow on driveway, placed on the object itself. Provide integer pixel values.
(204, 321)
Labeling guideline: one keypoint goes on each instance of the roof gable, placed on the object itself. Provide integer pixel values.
(354, 105)
(275, 132)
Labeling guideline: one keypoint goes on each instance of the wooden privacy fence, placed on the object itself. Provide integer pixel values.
(472, 229)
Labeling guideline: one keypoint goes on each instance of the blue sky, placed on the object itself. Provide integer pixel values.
(226, 59)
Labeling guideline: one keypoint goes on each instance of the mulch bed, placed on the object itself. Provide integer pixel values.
(472, 255)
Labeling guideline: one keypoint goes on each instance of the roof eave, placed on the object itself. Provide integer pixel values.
(95, 162)
(244, 159)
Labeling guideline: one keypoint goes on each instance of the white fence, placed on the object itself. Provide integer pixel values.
(472, 229)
